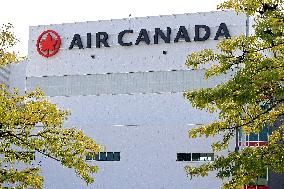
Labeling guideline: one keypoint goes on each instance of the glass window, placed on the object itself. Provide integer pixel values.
(263, 135)
(97, 157)
(195, 156)
(202, 156)
(104, 156)
(116, 156)
(183, 157)
(253, 137)
(109, 156)
(207, 157)
(89, 156)
(259, 183)
(247, 137)
(92, 156)
(262, 180)
(240, 135)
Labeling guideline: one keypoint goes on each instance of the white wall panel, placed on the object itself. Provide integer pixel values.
(148, 150)
(124, 83)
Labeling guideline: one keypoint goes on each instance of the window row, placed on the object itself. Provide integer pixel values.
(115, 156)
(260, 183)
(256, 187)
(104, 156)
(195, 156)
(254, 139)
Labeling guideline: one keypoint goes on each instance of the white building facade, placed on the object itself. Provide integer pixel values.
(123, 81)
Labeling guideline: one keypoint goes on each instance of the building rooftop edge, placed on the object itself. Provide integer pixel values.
(135, 18)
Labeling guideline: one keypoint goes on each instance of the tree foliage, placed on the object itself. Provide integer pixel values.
(258, 65)
(30, 124)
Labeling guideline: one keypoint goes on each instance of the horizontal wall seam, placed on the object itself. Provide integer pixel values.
(108, 73)
(123, 83)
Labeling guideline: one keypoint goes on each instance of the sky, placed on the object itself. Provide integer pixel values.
(23, 14)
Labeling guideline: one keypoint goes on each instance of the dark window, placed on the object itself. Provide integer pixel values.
(92, 156)
(253, 137)
(260, 182)
(116, 156)
(207, 157)
(104, 156)
(183, 156)
(89, 156)
(247, 137)
(263, 135)
(97, 157)
(240, 135)
(195, 156)
(202, 156)
(110, 156)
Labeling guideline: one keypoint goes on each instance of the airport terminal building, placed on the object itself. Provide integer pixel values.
(123, 81)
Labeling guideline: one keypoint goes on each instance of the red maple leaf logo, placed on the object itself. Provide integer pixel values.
(48, 43)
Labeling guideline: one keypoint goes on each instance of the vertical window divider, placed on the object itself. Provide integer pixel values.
(258, 138)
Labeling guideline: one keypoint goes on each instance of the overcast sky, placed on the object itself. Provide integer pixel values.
(23, 14)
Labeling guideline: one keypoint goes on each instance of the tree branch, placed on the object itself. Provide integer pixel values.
(38, 150)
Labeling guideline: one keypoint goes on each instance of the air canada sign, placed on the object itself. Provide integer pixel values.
(49, 41)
